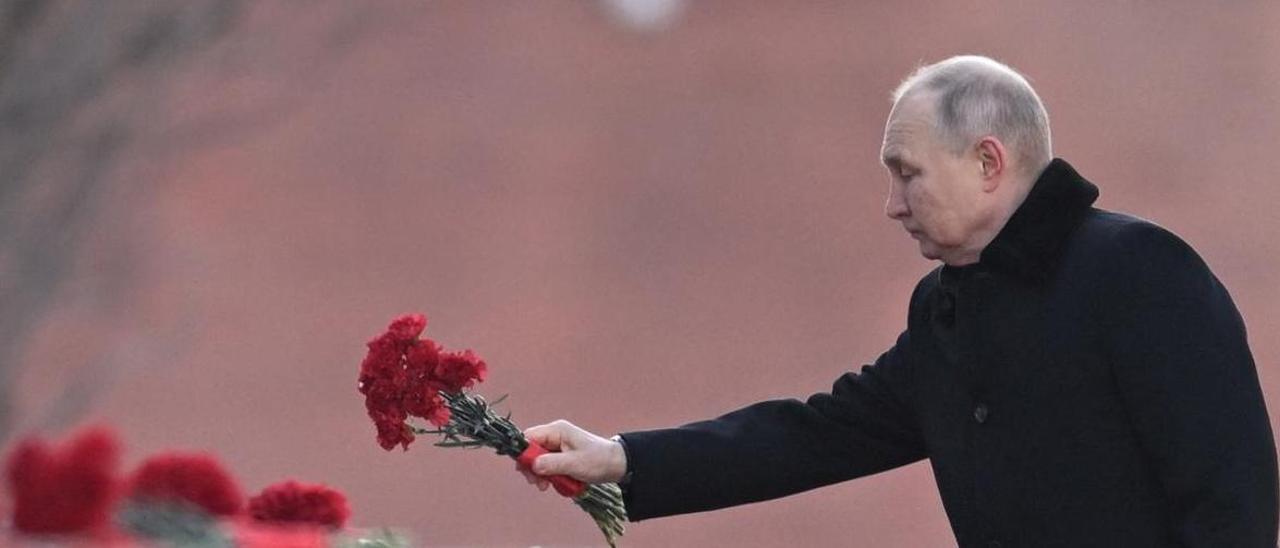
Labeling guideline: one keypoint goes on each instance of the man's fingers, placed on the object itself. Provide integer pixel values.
(549, 436)
(528, 476)
(533, 479)
(552, 464)
(570, 450)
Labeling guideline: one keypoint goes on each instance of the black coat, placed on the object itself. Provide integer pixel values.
(1086, 383)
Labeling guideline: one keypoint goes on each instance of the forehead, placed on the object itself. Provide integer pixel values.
(909, 127)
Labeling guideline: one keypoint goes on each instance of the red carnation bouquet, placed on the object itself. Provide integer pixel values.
(406, 376)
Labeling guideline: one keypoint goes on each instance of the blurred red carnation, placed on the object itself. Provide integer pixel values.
(293, 503)
(65, 489)
(192, 478)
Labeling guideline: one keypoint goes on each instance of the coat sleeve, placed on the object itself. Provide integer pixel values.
(776, 448)
(1182, 364)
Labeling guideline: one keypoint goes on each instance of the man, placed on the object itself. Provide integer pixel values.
(1076, 377)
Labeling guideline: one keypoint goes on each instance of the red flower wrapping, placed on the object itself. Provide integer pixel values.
(67, 489)
(402, 375)
(294, 503)
(188, 478)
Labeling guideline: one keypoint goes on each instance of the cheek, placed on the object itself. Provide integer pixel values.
(934, 214)
(921, 202)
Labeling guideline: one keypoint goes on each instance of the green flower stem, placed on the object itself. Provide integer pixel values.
(473, 424)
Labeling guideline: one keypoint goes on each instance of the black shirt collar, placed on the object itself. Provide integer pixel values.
(1031, 241)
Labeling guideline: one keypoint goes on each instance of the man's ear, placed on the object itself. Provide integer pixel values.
(993, 162)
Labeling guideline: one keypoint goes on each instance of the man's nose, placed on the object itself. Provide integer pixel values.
(895, 207)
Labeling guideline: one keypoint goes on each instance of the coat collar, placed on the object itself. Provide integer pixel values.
(1031, 241)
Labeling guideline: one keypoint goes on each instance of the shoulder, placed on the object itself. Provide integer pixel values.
(1128, 242)
(1106, 225)
(1130, 252)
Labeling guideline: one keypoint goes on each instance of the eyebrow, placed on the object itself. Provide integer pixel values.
(892, 158)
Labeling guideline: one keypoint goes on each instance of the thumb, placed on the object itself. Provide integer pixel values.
(552, 464)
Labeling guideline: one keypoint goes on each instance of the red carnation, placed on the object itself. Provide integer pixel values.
(293, 503)
(407, 327)
(187, 478)
(66, 489)
(391, 427)
(421, 360)
(460, 370)
(399, 378)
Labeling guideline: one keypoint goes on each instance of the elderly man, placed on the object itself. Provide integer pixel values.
(1076, 377)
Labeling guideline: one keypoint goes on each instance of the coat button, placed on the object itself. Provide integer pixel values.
(980, 413)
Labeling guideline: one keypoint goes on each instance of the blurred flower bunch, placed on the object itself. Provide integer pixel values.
(73, 493)
(404, 375)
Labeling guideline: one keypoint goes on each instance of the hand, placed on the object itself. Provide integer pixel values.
(578, 454)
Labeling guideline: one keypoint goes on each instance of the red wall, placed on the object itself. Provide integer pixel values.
(635, 228)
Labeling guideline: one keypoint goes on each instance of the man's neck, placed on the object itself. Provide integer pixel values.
(996, 221)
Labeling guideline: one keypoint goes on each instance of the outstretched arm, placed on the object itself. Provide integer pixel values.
(776, 448)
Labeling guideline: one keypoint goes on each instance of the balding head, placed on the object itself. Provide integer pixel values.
(965, 142)
(974, 97)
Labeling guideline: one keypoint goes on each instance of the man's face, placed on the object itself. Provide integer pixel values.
(935, 194)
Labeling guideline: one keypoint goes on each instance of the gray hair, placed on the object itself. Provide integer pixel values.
(977, 96)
